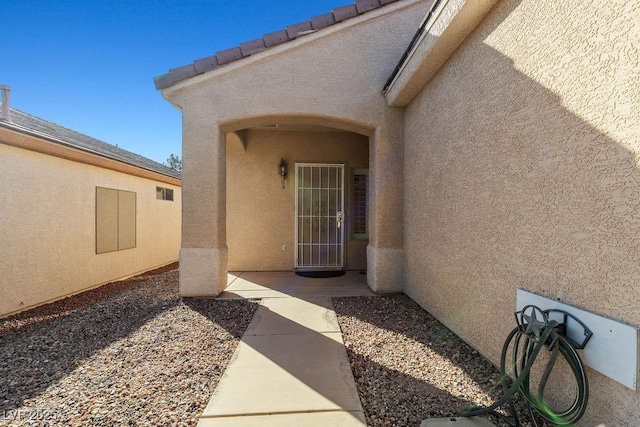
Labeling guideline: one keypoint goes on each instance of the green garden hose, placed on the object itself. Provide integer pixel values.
(531, 335)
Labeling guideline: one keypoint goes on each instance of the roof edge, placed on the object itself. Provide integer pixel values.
(268, 41)
(445, 27)
(32, 141)
(24, 130)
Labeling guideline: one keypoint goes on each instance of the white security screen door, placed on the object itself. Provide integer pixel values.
(319, 216)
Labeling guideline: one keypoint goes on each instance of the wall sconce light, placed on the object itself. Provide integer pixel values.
(283, 169)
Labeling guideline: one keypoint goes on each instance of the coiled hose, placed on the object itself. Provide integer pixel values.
(532, 335)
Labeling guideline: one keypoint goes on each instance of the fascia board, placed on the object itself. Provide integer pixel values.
(450, 24)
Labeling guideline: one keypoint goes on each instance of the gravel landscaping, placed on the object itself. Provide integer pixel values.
(129, 353)
(408, 366)
(134, 353)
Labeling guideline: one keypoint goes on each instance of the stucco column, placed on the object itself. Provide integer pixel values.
(203, 256)
(385, 253)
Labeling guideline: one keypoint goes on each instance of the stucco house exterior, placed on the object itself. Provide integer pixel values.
(77, 212)
(497, 140)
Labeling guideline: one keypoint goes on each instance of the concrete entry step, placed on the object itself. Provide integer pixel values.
(286, 284)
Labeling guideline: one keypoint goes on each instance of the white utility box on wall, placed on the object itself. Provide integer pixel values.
(613, 348)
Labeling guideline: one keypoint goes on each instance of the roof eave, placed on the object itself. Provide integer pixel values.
(160, 176)
(292, 36)
(448, 23)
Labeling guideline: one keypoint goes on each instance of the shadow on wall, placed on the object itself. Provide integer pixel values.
(513, 184)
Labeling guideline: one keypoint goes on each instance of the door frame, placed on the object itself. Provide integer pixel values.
(342, 252)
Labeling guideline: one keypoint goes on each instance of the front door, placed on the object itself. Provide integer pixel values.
(319, 216)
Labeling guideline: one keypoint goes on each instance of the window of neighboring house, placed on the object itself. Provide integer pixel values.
(115, 220)
(164, 193)
(360, 226)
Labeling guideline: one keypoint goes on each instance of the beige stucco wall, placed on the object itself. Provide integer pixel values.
(261, 214)
(48, 222)
(332, 78)
(522, 169)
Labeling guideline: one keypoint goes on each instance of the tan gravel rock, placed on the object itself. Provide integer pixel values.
(408, 366)
(132, 353)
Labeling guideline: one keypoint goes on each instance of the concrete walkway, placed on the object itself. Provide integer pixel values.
(291, 367)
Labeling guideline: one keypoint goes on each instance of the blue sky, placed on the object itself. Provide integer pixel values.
(89, 64)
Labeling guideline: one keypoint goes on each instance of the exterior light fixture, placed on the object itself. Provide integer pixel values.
(283, 170)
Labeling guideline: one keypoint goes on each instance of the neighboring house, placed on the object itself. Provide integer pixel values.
(77, 212)
(499, 151)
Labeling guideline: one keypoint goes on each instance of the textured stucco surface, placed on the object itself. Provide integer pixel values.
(261, 214)
(522, 169)
(48, 223)
(450, 23)
(332, 78)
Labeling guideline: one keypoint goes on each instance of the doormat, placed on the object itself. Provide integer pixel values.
(321, 274)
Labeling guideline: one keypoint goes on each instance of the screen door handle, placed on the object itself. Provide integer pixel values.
(339, 220)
